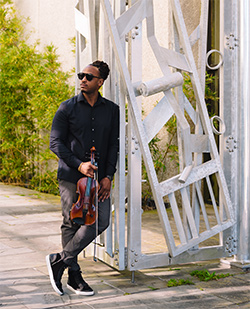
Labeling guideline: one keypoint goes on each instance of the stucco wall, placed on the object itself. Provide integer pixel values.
(191, 13)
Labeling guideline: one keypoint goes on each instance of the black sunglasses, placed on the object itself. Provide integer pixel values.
(89, 77)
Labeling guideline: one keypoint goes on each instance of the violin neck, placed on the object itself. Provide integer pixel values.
(90, 181)
(88, 188)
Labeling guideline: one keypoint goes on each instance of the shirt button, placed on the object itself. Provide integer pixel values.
(93, 140)
(93, 118)
(93, 129)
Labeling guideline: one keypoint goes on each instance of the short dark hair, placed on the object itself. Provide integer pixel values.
(102, 67)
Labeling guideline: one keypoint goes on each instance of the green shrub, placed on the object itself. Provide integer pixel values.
(32, 86)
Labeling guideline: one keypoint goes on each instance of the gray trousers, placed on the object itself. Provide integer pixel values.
(77, 237)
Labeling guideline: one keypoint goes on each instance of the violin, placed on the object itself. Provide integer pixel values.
(84, 211)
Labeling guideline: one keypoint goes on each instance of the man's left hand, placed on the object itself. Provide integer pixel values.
(104, 191)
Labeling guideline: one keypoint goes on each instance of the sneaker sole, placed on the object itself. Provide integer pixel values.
(80, 292)
(52, 281)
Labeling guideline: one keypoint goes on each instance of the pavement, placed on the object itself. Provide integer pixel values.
(30, 229)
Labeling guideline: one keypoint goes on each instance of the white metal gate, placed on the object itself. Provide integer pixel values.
(120, 23)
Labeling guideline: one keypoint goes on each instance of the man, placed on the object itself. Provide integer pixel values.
(84, 121)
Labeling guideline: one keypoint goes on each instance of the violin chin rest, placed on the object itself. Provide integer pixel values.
(80, 221)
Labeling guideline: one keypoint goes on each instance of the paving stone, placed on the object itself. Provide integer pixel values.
(30, 229)
(232, 289)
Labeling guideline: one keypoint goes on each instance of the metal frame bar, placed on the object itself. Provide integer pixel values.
(118, 25)
(140, 133)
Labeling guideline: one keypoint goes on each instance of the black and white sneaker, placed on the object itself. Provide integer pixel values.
(78, 285)
(56, 268)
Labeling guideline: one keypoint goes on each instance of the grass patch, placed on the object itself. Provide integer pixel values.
(174, 282)
(152, 288)
(205, 275)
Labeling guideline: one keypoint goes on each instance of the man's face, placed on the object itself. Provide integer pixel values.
(90, 87)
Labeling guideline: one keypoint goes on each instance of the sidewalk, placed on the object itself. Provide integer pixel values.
(30, 229)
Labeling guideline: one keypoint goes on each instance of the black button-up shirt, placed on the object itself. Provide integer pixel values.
(77, 127)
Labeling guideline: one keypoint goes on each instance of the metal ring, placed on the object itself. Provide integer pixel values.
(221, 123)
(219, 64)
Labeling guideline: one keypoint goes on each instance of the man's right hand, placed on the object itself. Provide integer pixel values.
(87, 169)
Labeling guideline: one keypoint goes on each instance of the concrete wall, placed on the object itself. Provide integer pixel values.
(51, 21)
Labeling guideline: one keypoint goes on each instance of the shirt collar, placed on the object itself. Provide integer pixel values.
(80, 98)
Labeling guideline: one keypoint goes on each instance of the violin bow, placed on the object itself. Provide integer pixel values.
(96, 214)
